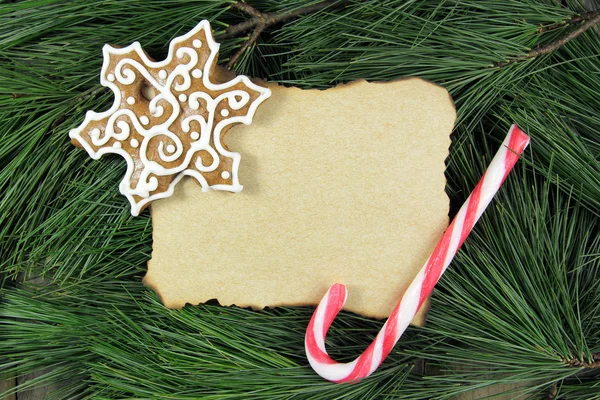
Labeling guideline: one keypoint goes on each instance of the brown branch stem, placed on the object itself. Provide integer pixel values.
(587, 20)
(577, 363)
(260, 21)
(575, 20)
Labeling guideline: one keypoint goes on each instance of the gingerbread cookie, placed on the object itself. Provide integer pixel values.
(169, 117)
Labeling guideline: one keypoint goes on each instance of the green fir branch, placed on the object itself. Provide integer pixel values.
(520, 304)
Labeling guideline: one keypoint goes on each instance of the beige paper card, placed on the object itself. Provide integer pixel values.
(343, 185)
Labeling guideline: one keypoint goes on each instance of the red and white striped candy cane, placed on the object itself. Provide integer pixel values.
(420, 288)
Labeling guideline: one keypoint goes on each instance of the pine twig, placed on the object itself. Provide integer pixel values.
(260, 21)
(589, 19)
(593, 20)
(577, 363)
(575, 20)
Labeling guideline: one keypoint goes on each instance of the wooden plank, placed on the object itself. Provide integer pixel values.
(493, 390)
(37, 393)
(6, 385)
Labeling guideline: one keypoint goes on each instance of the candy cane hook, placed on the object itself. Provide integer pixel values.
(421, 287)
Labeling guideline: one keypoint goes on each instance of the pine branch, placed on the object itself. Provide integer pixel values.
(521, 299)
(260, 21)
(590, 20)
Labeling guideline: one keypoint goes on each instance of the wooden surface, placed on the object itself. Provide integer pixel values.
(37, 393)
(42, 393)
(6, 385)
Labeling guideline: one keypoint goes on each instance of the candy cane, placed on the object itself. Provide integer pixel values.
(421, 287)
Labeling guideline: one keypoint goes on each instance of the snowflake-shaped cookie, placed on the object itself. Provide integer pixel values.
(169, 117)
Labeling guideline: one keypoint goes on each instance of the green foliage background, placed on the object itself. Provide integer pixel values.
(519, 305)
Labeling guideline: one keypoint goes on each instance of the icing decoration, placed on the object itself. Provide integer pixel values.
(168, 118)
(423, 284)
